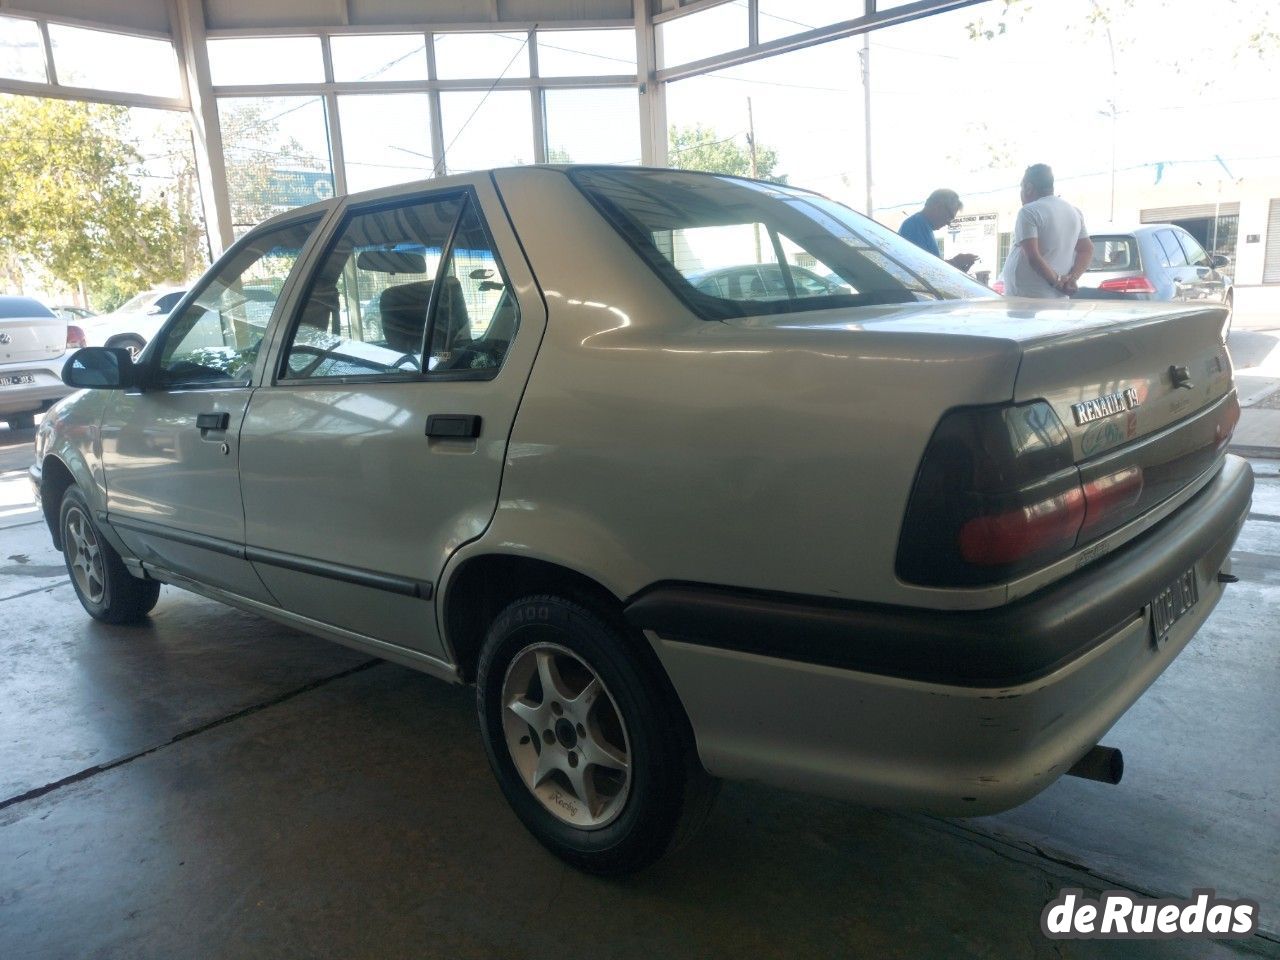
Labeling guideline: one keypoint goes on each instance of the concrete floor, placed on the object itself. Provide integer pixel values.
(212, 785)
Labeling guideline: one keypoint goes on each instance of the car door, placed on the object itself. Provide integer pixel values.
(1174, 261)
(170, 449)
(1205, 281)
(376, 449)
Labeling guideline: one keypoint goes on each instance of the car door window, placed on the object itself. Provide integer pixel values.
(365, 312)
(1195, 253)
(400, 279)
(167, 302)
(216, 338)
(1173, 255)
(476, 312)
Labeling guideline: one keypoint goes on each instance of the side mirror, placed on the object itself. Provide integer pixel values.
(103, 368)
(1218, 260)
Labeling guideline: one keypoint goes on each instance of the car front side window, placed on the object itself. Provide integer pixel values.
(216, 338)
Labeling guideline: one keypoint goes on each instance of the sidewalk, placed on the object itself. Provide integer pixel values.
(1255, 351)
(1258, 433)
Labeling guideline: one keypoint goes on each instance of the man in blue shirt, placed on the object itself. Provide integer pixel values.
(939, 210)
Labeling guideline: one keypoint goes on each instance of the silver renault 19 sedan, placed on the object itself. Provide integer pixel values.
(892, 539)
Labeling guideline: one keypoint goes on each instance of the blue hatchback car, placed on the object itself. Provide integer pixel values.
(1155, 261)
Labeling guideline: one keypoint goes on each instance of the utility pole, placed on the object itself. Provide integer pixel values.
(864, 56)
(1115, 90)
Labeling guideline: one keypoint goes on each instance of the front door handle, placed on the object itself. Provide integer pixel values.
(213, 421)
(456, 426)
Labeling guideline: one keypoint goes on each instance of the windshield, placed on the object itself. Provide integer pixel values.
(731, 248)
(141, 301)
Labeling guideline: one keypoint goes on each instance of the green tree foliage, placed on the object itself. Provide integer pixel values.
(701, 148)
(69, 208)
(1262, 38)
(255, 155)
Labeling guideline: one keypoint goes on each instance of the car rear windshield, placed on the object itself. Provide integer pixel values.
(1114, 253)
(730, 247)
(22, 308)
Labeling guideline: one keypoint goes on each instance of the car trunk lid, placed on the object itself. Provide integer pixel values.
(1144, 371)
(31, 338)
(1072, 352)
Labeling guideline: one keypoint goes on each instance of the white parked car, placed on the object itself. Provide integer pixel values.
(132, 325)
(893, 539)
(34, 346)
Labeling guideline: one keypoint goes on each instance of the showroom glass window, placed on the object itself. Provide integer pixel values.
(215, 340)
(395, 279)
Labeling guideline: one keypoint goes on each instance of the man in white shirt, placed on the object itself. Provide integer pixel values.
(1051, 246)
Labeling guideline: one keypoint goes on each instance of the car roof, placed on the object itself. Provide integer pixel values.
(1130, 229)
(461, 179)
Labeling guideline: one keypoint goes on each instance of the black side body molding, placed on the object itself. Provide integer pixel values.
(390, 582)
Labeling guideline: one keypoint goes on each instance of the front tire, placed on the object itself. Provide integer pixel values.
(105, 588)
(586, 738)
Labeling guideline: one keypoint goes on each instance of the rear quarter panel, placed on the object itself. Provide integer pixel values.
(651, 445)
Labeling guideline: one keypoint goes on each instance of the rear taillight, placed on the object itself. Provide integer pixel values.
(1111, 498)
(75, 337)
(998, 287)
(1138, 284)
(997, 494)
(997, 540)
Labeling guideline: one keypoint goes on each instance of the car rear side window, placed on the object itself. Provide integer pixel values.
(1114, 253)
(1195, 253)
(730, 247)
(216, 338)
(1173, 255)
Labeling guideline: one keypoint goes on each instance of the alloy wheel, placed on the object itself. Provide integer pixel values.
(566, 736)
(84, 556)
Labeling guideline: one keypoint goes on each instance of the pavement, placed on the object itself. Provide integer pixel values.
(1255, 351)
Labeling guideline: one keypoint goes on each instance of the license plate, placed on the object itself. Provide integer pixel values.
(1171, 605)
(16, 379)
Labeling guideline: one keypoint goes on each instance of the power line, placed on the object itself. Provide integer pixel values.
(483, 99)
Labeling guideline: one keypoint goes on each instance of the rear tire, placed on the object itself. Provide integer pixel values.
(20, 421)
(601, 768)
(104, 586)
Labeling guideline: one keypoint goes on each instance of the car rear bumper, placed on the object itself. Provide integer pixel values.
(33, 397)
(955, 713)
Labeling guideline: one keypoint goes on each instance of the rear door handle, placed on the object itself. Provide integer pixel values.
(213, 421)
(458, 426)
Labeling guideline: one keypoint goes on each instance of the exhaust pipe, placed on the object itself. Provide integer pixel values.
(1104, 764)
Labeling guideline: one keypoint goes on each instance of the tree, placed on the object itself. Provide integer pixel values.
(258, 160)
(68, 206)
(701, 148)
(1263, 38)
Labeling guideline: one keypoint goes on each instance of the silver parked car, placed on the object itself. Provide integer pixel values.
(904, 542)
(34, 346)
